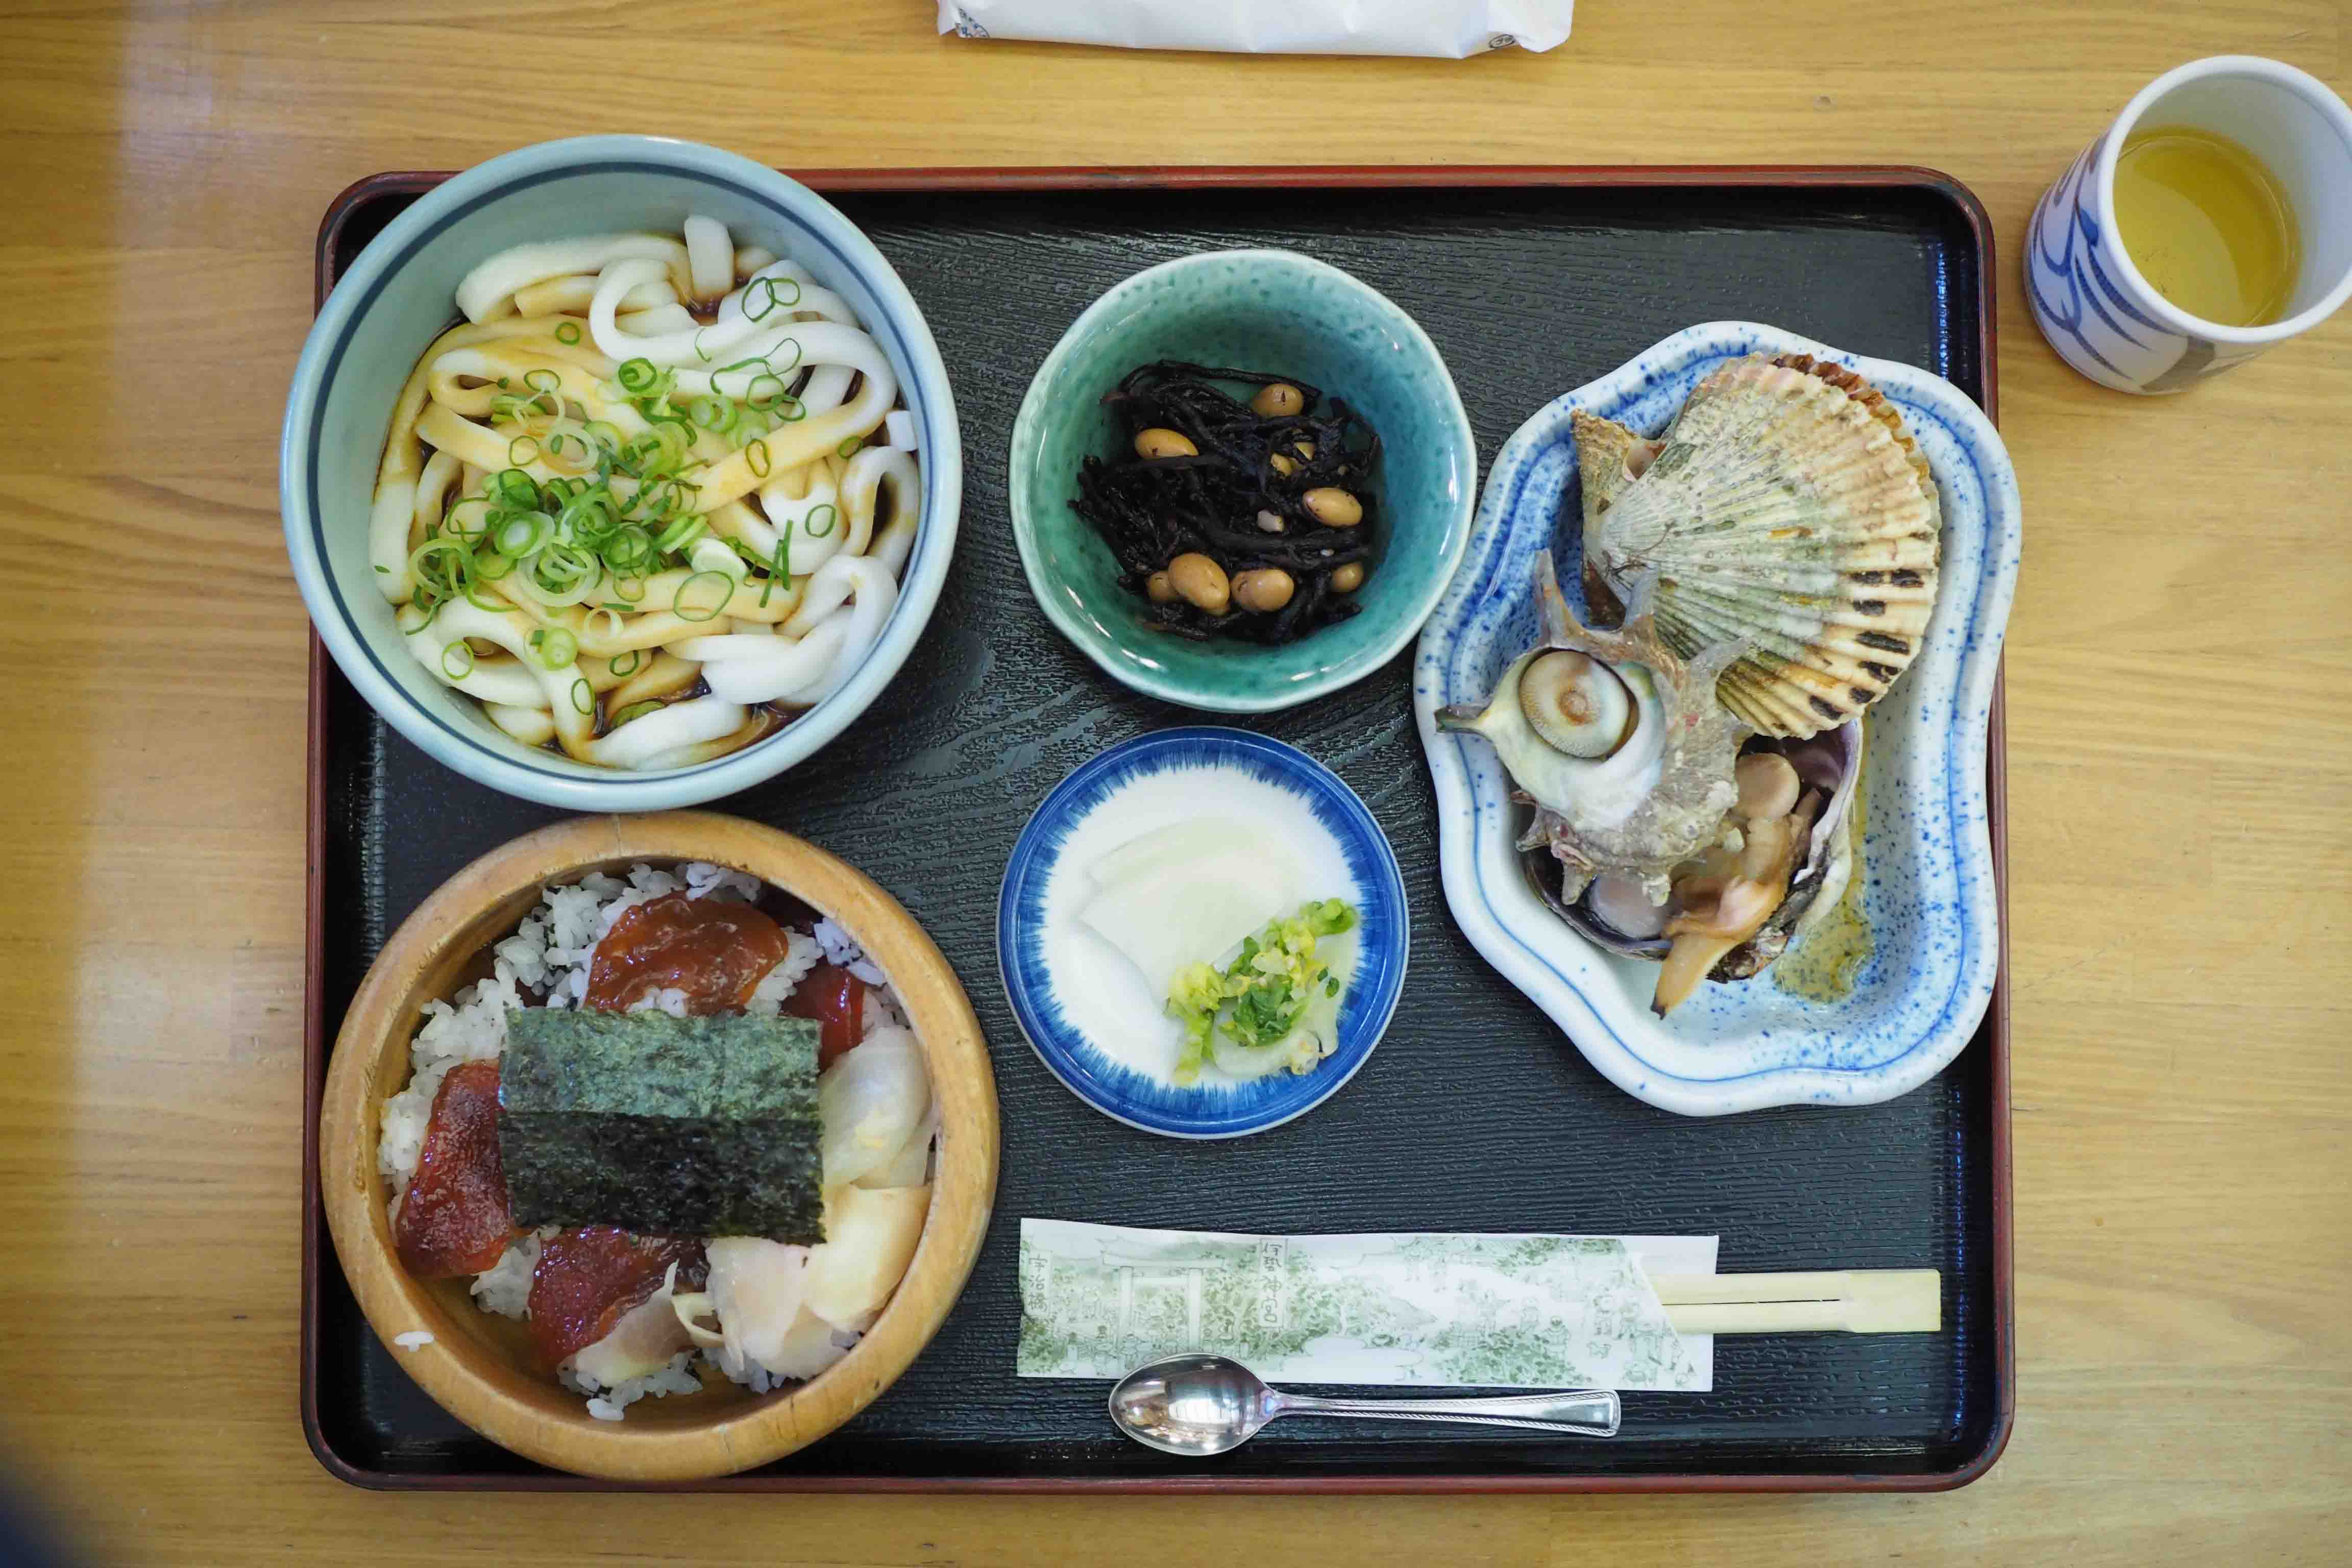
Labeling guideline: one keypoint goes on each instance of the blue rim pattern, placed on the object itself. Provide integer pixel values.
(302, 444)
(1121, 1093)
(2086, 313)
(1927, 998)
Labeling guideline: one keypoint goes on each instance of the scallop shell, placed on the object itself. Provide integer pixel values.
(1790, 508)
(1609, 456)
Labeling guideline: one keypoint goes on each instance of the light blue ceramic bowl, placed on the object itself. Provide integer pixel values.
(399, 295)
(1255, 310)
(1111, 1058)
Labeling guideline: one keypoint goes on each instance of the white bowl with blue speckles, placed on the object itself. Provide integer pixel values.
(1929, 894)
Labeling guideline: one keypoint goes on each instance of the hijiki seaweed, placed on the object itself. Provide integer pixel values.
(1272, 493)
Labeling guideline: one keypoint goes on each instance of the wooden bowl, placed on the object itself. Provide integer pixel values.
(480, 1367)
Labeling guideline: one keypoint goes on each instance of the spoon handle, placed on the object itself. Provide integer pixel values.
(1582, 1411)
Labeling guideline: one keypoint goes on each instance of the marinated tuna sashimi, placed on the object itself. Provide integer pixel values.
(453, 1220)
(713, 954)
(837, 999)
(589, 1279)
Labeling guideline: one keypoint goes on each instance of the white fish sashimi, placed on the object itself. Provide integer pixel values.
(640, 1344)
(870, 1237)
(755, 1291)
(870, 1100)
(1187, 893)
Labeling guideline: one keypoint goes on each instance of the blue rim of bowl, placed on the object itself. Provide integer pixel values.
(1043, 590)
(1373, 991)
(300, 488)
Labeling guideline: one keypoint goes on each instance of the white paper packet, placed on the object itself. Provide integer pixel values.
(1445, 29)
(1444, 1309)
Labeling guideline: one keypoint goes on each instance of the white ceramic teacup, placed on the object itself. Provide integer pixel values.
(2092, 303)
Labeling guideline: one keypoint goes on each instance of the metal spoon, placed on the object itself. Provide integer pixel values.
(1204, 1405)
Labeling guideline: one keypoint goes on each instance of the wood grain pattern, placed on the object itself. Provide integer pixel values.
(2179, 736)
(484, 1374)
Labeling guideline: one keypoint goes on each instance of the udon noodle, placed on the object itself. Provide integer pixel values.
(651, 498)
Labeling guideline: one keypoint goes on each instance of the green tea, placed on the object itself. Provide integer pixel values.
(2208, 224)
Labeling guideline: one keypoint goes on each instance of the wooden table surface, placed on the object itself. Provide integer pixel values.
(2180, 733)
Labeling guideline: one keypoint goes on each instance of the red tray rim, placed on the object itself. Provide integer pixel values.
(316, 1042)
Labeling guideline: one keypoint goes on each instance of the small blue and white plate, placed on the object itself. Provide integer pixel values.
(1929, 896)
(1088, 1011)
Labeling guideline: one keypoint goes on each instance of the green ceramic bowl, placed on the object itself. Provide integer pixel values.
(1259, 309)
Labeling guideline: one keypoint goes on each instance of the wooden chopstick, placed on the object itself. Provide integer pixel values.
(1846, 1300)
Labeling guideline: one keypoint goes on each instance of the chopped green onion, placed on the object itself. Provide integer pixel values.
(629, 552)
(468, 520)
(756, 454)
(588, 513)
(561, 569)
(639, 377)
(584, 698)
(763, 298)
(568, 333)
(523, 449)
(523, 532)
(443, 570)
(619, 672)
(636, 710)
(680, 533)
(779, 570)
(831, 516)
(464, 666)
(686, 612)
(556, 646)
(554, 382)
(850, 449)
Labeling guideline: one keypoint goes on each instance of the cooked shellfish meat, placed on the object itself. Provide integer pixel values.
(1657, 794)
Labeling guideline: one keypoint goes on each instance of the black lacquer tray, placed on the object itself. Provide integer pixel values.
(1475, 1114)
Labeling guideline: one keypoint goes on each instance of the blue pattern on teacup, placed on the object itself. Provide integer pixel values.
(1929, 895)
(1025, 951)
(2087, 310)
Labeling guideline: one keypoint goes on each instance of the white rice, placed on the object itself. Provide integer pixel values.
(504, 1287)
(677, 1377)
(801, 955)
(554, 949)
(841, 948)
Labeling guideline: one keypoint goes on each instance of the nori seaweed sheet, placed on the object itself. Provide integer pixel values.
(664, 1126)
